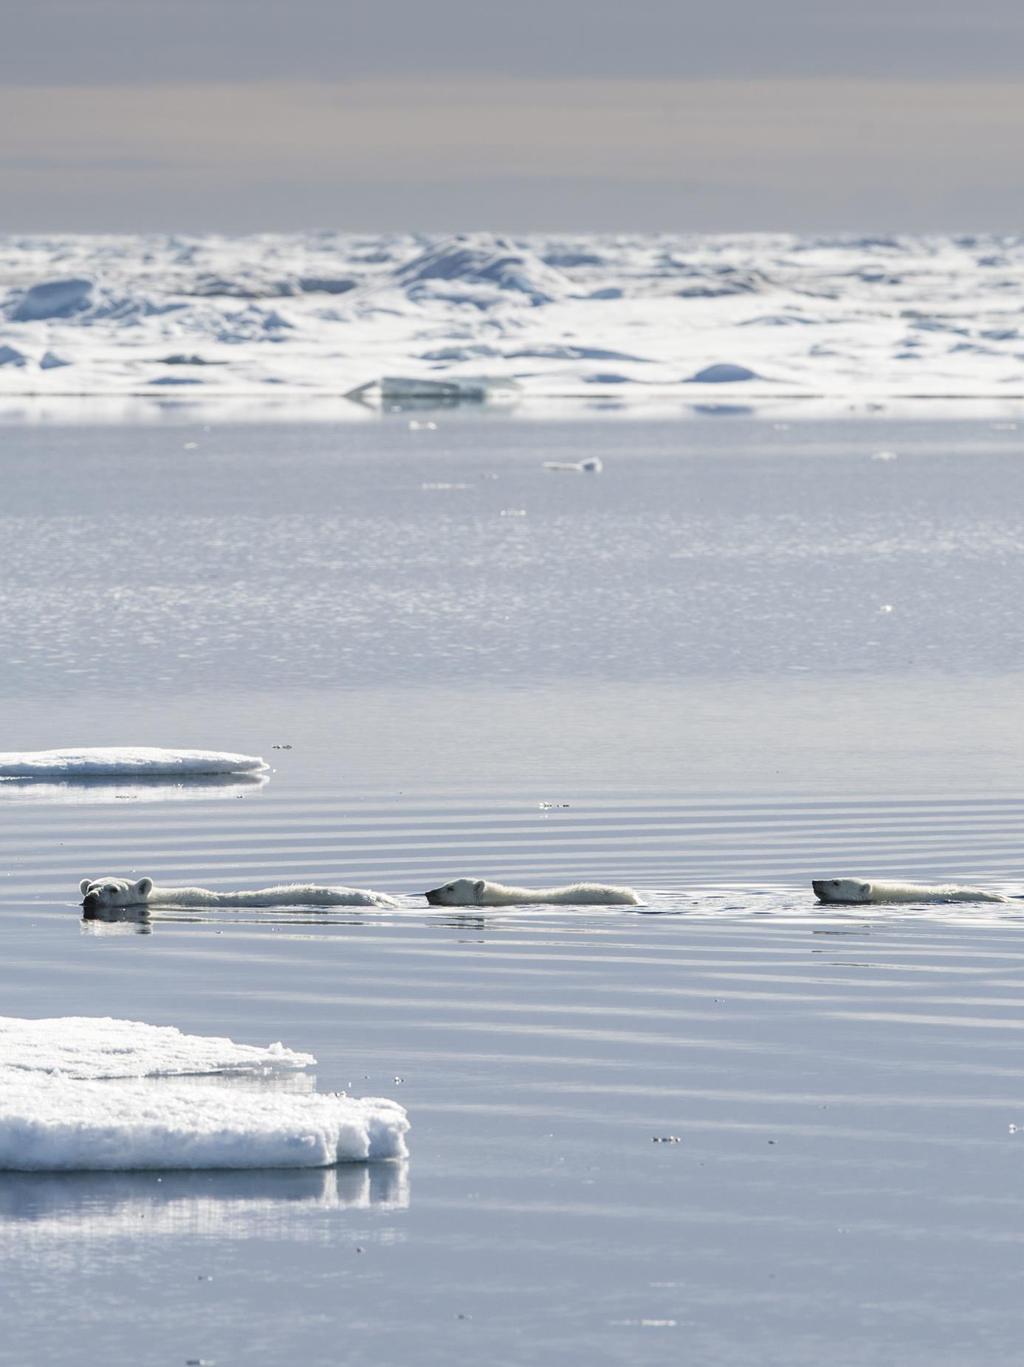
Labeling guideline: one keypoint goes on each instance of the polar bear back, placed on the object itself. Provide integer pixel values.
(478, 892)
(875, 891)
(110, 892)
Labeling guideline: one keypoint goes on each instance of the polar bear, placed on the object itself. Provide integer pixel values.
(477, 892)
(103, 894)
(859, 890)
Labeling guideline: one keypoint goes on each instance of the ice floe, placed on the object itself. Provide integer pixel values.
(331, 313)
(96, 1047)
(142, 761)
(86, 1094)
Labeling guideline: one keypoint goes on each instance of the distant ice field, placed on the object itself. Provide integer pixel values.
(630, 316)
(731, 1126)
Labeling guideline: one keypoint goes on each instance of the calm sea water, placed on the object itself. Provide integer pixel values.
(738, 658)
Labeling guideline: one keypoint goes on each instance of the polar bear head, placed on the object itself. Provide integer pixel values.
(464, 892)
(841, 890)
(101, 894)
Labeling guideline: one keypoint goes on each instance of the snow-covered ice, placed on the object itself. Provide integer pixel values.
(141, 761)
(773, 315)
(84, 1093)
(97, 1047)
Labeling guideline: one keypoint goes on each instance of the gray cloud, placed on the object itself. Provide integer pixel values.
(103, 41)
(513, 154)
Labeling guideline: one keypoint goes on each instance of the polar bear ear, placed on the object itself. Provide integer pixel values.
(144, 887)
(865, 891)
(84, 886)
(478, 887)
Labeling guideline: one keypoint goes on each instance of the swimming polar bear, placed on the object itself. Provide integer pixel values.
(477, 892)
(858, 890)
(104, 894)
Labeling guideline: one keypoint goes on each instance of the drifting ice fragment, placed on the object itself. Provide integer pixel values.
(142, 761)
(474, 389)
(591, 466)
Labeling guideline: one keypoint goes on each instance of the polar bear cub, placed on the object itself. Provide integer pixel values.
(477, 892)
(104, 894)
(859, 890)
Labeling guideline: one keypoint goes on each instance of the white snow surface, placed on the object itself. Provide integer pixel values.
(97, 1047)
(82, 1093)
(569, 314)
(142, 761)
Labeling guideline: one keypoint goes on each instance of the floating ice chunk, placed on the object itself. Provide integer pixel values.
(141, 761)
(723, 372)
(591, 466)
(77, 1093)
(95, 1047)
(52, 299)
(58, 1124)
(884, 455)
(11, 356)
(474, 389)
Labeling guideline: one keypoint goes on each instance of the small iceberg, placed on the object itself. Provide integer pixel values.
(141, 761)
(464, 389)
(80, 1094)
(592, 465)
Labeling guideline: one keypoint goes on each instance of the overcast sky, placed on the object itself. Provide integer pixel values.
(242, 115)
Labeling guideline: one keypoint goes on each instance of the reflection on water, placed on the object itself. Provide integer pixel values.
(234, 1205)
(116, 921)
(89, 789)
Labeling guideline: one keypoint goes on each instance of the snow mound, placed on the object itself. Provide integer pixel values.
(81, 1094)
(723, 372)
(54, 1124)
(481, 260)
(94, 1047)
(143, 761)
(52, 299)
